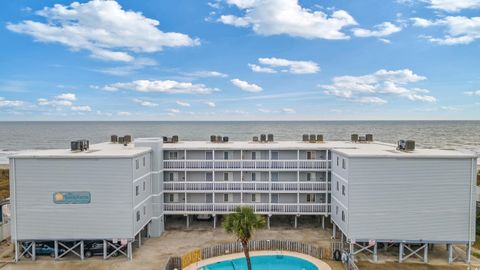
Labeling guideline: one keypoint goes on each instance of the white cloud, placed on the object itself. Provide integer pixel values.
(144, 103)
(371, 100)
(173, 110)
(211, 104)
(246, 86)
(4, 103)
(257, 68)
(276, 17)
(159, 86)
(101, 27)
(392, 82)
(129, 68)
(263, 110)
(81, 108)
(453, 5)
(270, 65)
(459, 29)
(124, 113)
(380, 30)
(66, 96)
(473, 93)
(208, 73)
(54, 102)
(183, 103)
(100, 113)
(384, 40)
(288, 110)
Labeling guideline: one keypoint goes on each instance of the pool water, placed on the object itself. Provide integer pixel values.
(272, 262)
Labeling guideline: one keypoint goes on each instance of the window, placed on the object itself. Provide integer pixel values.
(310, 198)
(343, 190)
(274, 155)
(338, 186)
(137, 164)
(225, 155)
(172, 155)
(343, 216)
(338, 161)
(143, 185)
(227, 197)
(173, 197)
(226, 176)
(344, 165)
(144, 162)
(254, 197)
(254, 155)
(275, 176)
(137, 190)
(336, 210)
(254, 176)
(310, 176)
(138, 216)
(144, 210)
(209, 155)
(208, 176)
(309, 155)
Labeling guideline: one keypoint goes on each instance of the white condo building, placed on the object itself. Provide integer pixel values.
(370, 191)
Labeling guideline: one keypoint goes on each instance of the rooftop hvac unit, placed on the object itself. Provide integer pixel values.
(174, 138)
(127, 139)
(354, 137)
(213, 138)
(406, 145)
(114, 138)
(255, 138)
(225, 139)
(305, 137)
(369, 137)
(165, 139)
(319, 138)
(79, 145)
(270, 137)
(409, 145)
(263, 137)
(219, 139)
(313, 138)
(362, 139)
(121, 140)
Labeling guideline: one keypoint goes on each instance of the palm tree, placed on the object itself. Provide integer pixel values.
(242, 223)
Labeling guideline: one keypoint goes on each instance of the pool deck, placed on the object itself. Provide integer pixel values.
(318, 263)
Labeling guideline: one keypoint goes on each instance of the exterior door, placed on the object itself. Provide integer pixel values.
(274, 155)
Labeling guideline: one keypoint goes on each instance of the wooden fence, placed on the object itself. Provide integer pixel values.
(235, 247)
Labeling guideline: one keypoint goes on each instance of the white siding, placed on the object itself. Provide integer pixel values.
(409, 199)
(109, 215)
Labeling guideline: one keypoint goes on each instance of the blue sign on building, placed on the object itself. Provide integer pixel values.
(72, 197)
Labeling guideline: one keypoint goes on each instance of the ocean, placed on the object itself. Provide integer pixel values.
(17, 136)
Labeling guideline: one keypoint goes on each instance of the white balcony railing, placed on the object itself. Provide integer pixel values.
(247, 164)
(263, 208)
(246, 186)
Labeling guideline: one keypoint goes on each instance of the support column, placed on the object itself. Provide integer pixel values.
(425, 254)
(129, 251)
(375, 257)
(334, 231)
(450, 253)
(34, 253)
(400, 253)
(188, 221)
(323, 222)
(214, 221)
(296, 220)
(341, 236)
(469, 252)
(268, 222)
(56, 249)
(82, 252)
(104, 249)
(352, 252)
(140, 239)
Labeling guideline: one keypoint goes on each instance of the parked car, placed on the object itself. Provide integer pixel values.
(43, 249)
(96, 249)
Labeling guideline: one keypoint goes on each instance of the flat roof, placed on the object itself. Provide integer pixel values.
(347, 148)
(99, 150)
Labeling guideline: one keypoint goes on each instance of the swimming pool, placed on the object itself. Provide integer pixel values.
(269, 262)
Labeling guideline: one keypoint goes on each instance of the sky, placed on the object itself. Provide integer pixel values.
(240, 60)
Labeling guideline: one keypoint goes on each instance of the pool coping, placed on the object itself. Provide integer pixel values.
(321, 265)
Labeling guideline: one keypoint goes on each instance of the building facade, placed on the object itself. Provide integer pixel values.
(116, 193)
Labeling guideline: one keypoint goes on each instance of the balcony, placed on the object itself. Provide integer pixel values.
(195, 186)
(261, 208)
(247, 164)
